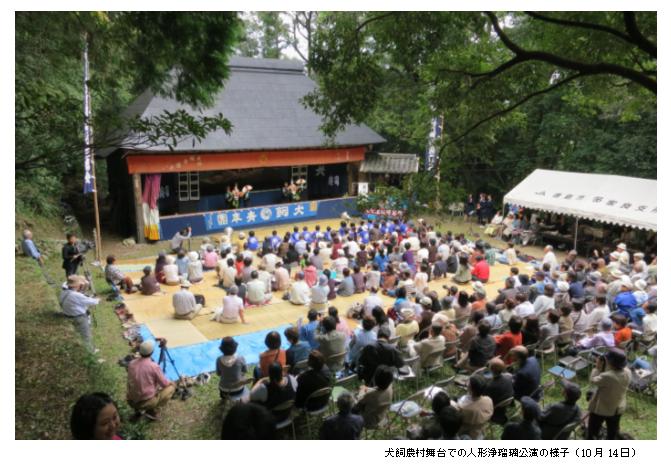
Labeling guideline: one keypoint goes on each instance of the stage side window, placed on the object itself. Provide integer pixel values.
(189, 186)
(299, 172)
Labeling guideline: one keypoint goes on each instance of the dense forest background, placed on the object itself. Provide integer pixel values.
(515, 91)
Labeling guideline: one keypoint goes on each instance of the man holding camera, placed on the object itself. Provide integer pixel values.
(72, 258)
(75, 307)
(148, 388)
(607, 403)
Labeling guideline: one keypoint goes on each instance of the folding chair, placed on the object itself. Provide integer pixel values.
(434, 362)
(503, 404)
(407, 409)
(116, 291)
(414, 373)
(236, 393)
(289, 421)
(336, 362)
(545, 348)
(384, 423)
(566, 431)
(322, 393)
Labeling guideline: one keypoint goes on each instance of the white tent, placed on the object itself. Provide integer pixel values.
(627, 201)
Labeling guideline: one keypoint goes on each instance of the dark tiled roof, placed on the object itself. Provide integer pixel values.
(390, 163)
(262, 100)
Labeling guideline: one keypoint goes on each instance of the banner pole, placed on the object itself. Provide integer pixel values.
(89, 154)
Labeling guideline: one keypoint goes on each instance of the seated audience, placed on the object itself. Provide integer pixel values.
(344, 425)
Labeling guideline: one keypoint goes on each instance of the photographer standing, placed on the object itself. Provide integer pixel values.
(75, 306)
(72, 258)
(611, 377)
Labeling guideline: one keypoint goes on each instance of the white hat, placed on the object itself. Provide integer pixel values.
(615, 255)
(641, 284)
(622, 245)
(563, 286)
(193, 256)
(425, 301)
(185, 284)
(170, 259)
(639, 255)
(441, 319)
(626, 282)
(341, 252)
(241, 235)
(616, 273)
(479, 287)
(147, 348)
(407, 313)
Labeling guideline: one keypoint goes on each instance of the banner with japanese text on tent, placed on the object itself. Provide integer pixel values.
(250, 217)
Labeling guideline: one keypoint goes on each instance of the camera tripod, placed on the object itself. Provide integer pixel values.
(162, 359)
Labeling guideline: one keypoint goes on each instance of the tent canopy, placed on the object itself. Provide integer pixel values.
(627, 201)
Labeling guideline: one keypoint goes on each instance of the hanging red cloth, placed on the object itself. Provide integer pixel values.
(150, 194)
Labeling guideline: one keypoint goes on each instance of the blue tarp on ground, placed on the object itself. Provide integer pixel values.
(192, 360)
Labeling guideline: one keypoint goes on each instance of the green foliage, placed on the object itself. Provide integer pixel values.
(182, 55)
(506, 112)
(265, 35)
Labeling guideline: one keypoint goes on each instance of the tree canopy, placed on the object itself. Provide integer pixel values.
(182, 55)
(516, 90)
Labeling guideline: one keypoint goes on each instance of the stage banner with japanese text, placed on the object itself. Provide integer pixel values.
(251, 217)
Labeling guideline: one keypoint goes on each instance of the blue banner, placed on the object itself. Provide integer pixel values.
(250, 217)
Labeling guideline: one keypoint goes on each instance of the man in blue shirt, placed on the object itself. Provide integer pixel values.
(625, 301)
(29, 248)
(252, 241)
(295, 236)
(307, 236)
(307, 332)
(299, 349)
(364, 236)
(275, 241)
(576, 289)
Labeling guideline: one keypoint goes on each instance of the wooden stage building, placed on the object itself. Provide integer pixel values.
(155, 191)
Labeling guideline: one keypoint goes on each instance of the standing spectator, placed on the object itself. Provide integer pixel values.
(71, 256)
(612, 377)
(75, 307)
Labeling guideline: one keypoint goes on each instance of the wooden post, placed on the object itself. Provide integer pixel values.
(137, 202)
(575, 238)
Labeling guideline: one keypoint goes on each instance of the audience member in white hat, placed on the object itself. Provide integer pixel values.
(195, 268)
(550, 258)
(624, 254)
(184, 303)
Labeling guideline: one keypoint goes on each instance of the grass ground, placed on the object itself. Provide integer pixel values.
(53, 369)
